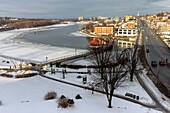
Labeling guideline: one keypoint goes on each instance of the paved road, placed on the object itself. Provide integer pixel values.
(152, 95)
(157, 51)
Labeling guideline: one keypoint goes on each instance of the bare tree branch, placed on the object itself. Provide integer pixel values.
(112, 69)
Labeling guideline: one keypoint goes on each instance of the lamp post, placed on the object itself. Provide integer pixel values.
(75, 51)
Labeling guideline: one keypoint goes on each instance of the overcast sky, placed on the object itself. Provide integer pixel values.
(75, 8)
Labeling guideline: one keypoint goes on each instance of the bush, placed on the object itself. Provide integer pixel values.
(50, 95)
(26, 75)
(62, 97)
(70, 102)
(6, 75)
(78, 96)
(79, 76)
(65, 102)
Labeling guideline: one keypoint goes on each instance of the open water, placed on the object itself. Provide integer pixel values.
(62, 36)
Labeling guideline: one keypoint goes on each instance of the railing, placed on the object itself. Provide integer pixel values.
(77, 54)
(66, 57)
(59, 59)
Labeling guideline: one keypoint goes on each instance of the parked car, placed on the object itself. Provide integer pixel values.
(162, 63)
(147, 50)
(154, 63)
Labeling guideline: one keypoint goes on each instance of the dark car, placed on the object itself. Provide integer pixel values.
(154, 63)
(147, 50)
(162, 63)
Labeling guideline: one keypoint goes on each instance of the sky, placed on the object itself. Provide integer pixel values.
(74, 8)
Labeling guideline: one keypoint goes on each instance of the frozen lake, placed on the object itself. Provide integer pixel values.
(61, 36)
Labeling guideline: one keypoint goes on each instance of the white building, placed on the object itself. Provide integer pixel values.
(161, 24)
(165, 33)
(127, 32)
(80, 18)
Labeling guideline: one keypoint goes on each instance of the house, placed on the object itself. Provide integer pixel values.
(127, 18)
(161, 23)
(80, 18)
(131, 24)
(165, 29)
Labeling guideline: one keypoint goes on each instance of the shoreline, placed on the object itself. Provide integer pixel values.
(31, 51)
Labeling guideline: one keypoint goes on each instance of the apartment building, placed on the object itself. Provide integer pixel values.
(127, 18)
(126, 32)
(104, 30)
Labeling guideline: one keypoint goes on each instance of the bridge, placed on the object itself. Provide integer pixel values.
(55, 61)
(50, 61)
(66, 58)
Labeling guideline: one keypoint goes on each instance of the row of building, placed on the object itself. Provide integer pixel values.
(116, 27)
(111, 30)
(161, 24)
(123, 29)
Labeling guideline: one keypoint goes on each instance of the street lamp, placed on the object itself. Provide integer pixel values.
(75, 51)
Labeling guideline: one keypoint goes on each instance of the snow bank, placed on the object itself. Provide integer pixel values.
(78, 33)
(162, 99)
(136, 89)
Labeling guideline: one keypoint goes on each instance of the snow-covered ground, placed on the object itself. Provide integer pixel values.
(26, 96)
(78, 33)
(127, 87)
(162, 98)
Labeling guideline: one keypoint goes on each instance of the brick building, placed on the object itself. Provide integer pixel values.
(104, 30)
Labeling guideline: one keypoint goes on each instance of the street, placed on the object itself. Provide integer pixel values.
(157, 52)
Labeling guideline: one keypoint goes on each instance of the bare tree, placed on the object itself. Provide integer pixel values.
(112, 69)
(101, 58)
(133, 55)
(134, 68)
(15, 66)
(90, 27)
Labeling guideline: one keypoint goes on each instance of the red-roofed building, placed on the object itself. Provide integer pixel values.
(95, 41)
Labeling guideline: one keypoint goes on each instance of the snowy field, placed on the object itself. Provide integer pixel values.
(127, 87)
(26, 96)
